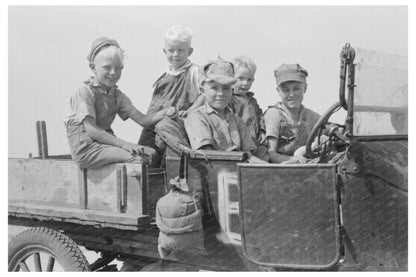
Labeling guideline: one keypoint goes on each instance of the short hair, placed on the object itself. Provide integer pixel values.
(242, 61)
(180, 33)
(111, 51)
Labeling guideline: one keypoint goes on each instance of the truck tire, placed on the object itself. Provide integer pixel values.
(28, 249)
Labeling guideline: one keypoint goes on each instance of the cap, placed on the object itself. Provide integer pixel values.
(290, 72)
(220, 71)
(98, 45)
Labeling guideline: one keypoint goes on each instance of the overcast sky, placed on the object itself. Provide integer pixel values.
(47, 48)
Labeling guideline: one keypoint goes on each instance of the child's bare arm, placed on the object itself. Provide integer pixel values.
(274, 156)
(147, 120)
(102, 136)
(198, 103)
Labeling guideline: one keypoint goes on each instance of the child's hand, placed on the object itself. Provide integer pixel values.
(171, 112)
(299, 156)
(262, 139)
(133, 149)
(182, 113)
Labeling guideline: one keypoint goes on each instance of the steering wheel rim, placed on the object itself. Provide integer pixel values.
(318, 125)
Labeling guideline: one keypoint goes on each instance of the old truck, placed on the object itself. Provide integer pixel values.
(346, 209)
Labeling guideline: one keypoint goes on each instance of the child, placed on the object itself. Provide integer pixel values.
(245, 105)
(94, 106)
(288, 123)
(214, 126)
(178, 86)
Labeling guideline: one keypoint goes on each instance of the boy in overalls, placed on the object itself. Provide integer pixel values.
(178, 86)
(288, 123)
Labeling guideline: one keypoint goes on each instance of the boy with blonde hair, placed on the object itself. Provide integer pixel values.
(179, 85)
(94, 106)
(244, 104)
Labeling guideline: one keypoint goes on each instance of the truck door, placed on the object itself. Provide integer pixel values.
(290, 215)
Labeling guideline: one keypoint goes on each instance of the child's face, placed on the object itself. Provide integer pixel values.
(292, 93)
(217, 95)
(177, 52)
(107, 70)
(245, 79)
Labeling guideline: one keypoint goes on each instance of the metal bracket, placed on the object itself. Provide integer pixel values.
(349, 163)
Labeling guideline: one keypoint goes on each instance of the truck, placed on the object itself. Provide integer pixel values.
(346, 209)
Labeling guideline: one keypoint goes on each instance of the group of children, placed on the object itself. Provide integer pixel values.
(220, 111)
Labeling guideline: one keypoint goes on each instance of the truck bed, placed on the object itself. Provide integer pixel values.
(116, 196)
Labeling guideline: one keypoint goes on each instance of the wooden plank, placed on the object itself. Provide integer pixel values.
(41, 221)
(83, 189)
(136, 196)
(121, 188)
(84, 215)
(156, 187)
(43, 180)
(103, 190)
(59, 184)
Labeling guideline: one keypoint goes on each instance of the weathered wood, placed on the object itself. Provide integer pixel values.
(89, 217)
(60, 183)
(43, 180)
(83, 188)
(121, 188)
(155, 187)
(42, 139)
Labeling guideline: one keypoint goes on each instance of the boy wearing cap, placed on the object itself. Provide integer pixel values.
(288, 123)
(94, 106)
(179, 85)
(214, 126)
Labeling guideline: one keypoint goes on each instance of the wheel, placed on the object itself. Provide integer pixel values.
(43, 249)
(319, 126)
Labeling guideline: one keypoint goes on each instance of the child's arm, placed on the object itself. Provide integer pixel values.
(274, 156)
(147, 120)
(261, 132)
(198, 103)
(102, 136)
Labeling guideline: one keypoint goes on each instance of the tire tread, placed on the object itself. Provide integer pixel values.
(74, 259)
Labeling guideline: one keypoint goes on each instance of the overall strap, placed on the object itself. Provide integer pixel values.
(161, 77)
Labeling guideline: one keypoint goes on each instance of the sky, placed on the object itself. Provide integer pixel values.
(47, 48)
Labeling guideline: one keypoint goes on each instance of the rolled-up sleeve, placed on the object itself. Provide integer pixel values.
(272, 123)
(126, 108)
(198, 130)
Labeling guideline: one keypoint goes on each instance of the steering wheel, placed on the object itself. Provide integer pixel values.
(319, 125)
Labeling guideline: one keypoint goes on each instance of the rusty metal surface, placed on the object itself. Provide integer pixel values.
(290, 215)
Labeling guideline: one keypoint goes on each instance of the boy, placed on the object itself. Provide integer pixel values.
(214, 126)
(288, 123)
(94, 106)
(178, 86)
(245, 106)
